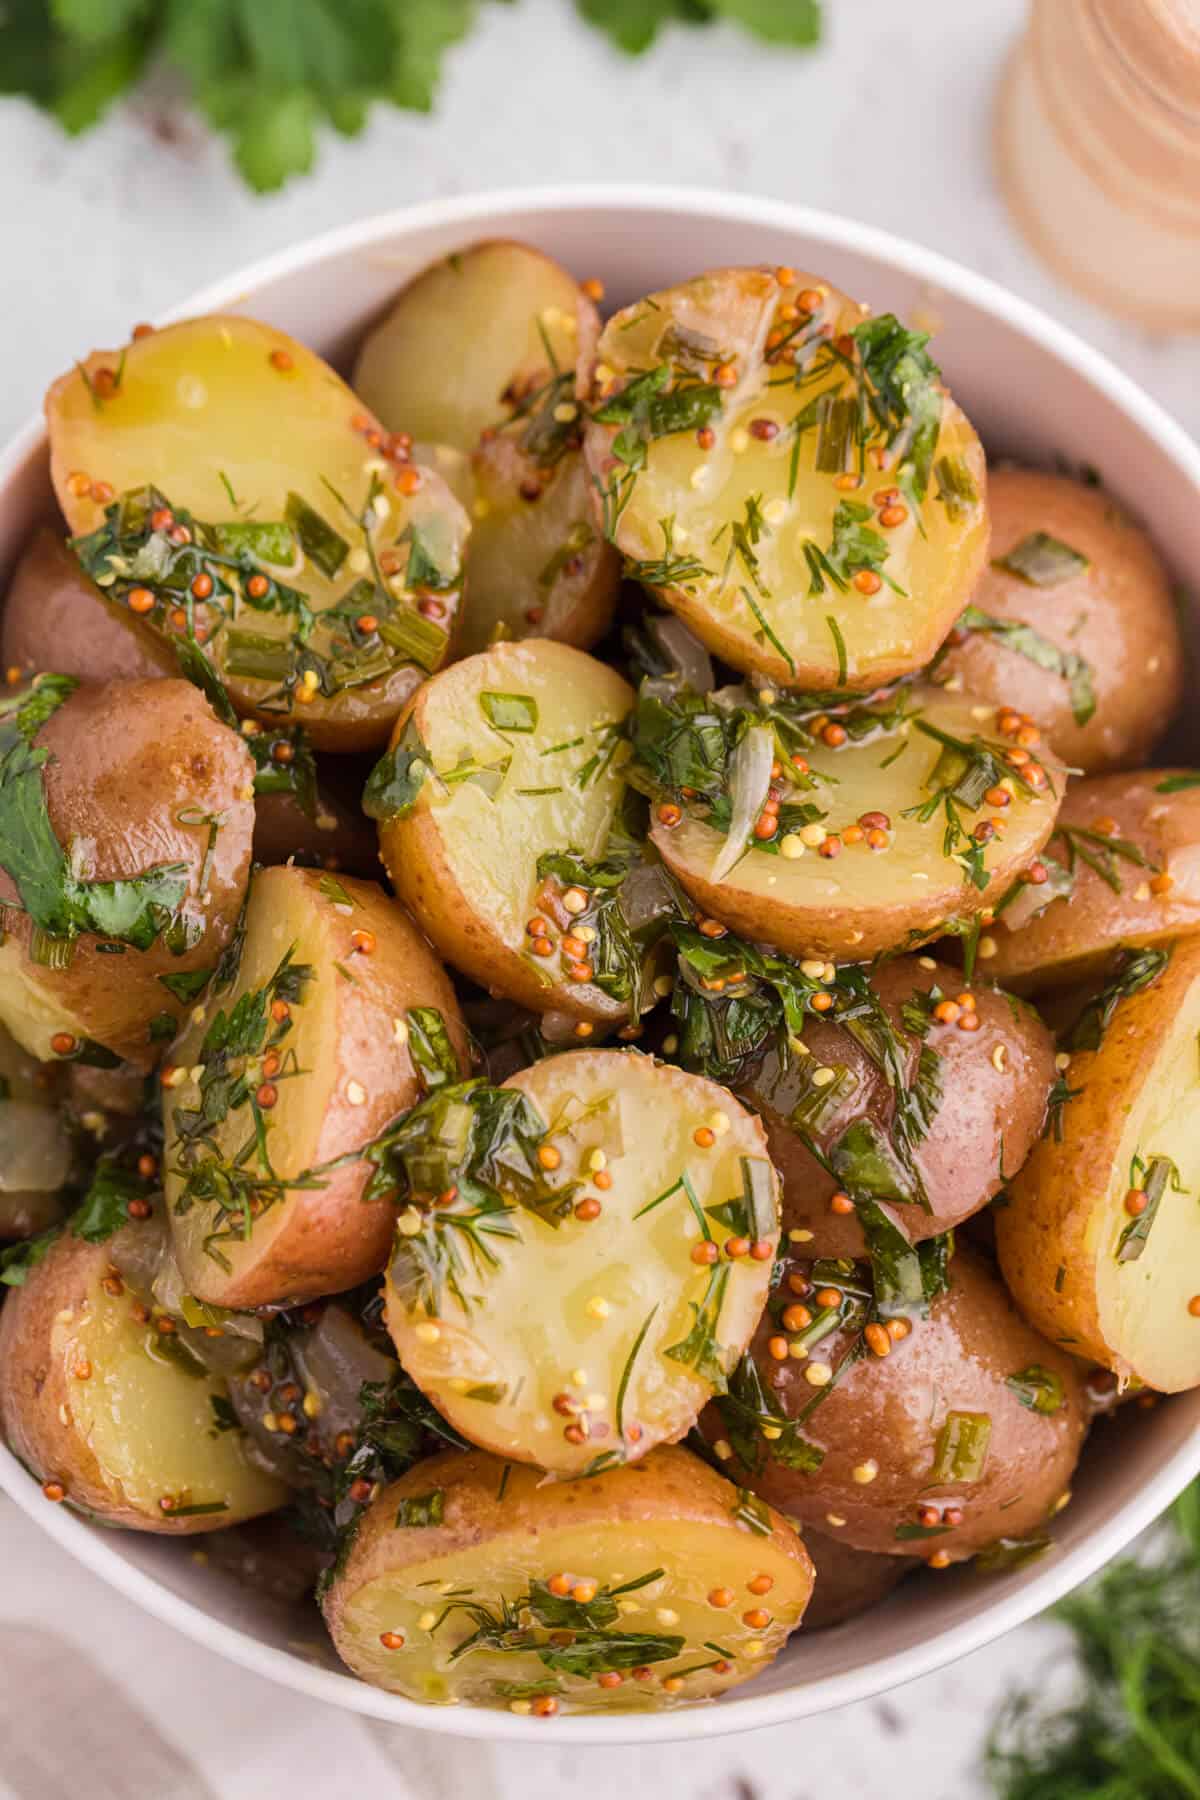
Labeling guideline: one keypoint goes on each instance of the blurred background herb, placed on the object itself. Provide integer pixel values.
(271, 73)
(1131, 1728)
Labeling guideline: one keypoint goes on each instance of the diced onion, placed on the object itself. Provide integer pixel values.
(751, 779)
(686, 652)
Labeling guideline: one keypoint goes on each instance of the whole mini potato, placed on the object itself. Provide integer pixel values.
(847, 1581)
(102, 1409)
(1074, 614)
(789, 475)
(501, 761)
(966, 1430)
(303, 1053)
(123, 862)
(1127, 849)
(471, 1579)
(905, 818)
(973, 1070)
(56, 618)
(604, 1268)
(1100, 1243)
(229, 490)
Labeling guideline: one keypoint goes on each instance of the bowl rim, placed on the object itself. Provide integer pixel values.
(487, 211)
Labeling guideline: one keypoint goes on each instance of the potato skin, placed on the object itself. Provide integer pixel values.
(890, 1410)
(1116, 614)
(987, 1122)
(55, 618)
(39, 1368)
(848, 1581)
(329, 1239)
(1050, 1239)
(126, 760)
(282, 829)
(1072, 938)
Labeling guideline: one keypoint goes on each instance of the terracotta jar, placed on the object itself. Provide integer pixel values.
(1098, 146)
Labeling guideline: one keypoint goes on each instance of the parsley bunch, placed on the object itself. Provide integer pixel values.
(271, 72)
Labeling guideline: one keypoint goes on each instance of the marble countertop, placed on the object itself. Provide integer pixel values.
(889, 123)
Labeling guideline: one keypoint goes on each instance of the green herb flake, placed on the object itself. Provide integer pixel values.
(422, 1509)
(1041, 560)
(1041, 1390)
(960, 1452)
(509, 712)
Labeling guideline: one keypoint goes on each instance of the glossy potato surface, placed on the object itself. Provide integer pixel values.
(893, 1430)
(468, 337)
(1133, 842)
(93, 1400)
(320, 1061)
(847, 1581)
(863, 900)
(755, 536)
(1109, 609)
(139, 777)
(465, 857)
(1116, 1278)
(55, 618)
(36, 1153)
(585, 1337)
(643, 1588)
(295, 501)
(989, 1086)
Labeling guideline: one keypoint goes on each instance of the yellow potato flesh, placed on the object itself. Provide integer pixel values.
(149, 1421)
(33, 1017)
(441, 362)
(807, 901)
(279, 918)
(554, 1326)
(225, 406)
(491, 843)
(765, 618)
(695, 1559)
(1142, 1305)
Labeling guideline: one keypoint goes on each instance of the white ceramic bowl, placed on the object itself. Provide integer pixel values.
(1032, 388)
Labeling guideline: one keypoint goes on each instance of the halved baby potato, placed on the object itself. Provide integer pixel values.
(36, 1154)
(56, 618)
(1127, 847)
(124, 857)
(595, 1313)
(474, 339)
(1073, 613)
(290, 1067)
(965, 1430)
(1100, 1243)
(920, 823)
(479, 355)
(974, 1071)
(110, 1415)
(475, 1580)
(789, 475)
(504, 759)
(226, 486)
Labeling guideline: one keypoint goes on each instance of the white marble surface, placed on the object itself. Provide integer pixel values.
(889, 122)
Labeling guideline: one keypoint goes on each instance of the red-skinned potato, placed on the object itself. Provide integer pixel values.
(501, 408)
(983, 1085)
(885, 866)
(291, 500)
(1133, 844)
(729, 434)
(144, 789)
(56, 618)
(1100, 1241)
(519, 757)
(625, 1579)
(606, 1307)
(847, 1581)
(104, 1416)
(964, 1432)
(330, 975)
(1068, 564)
